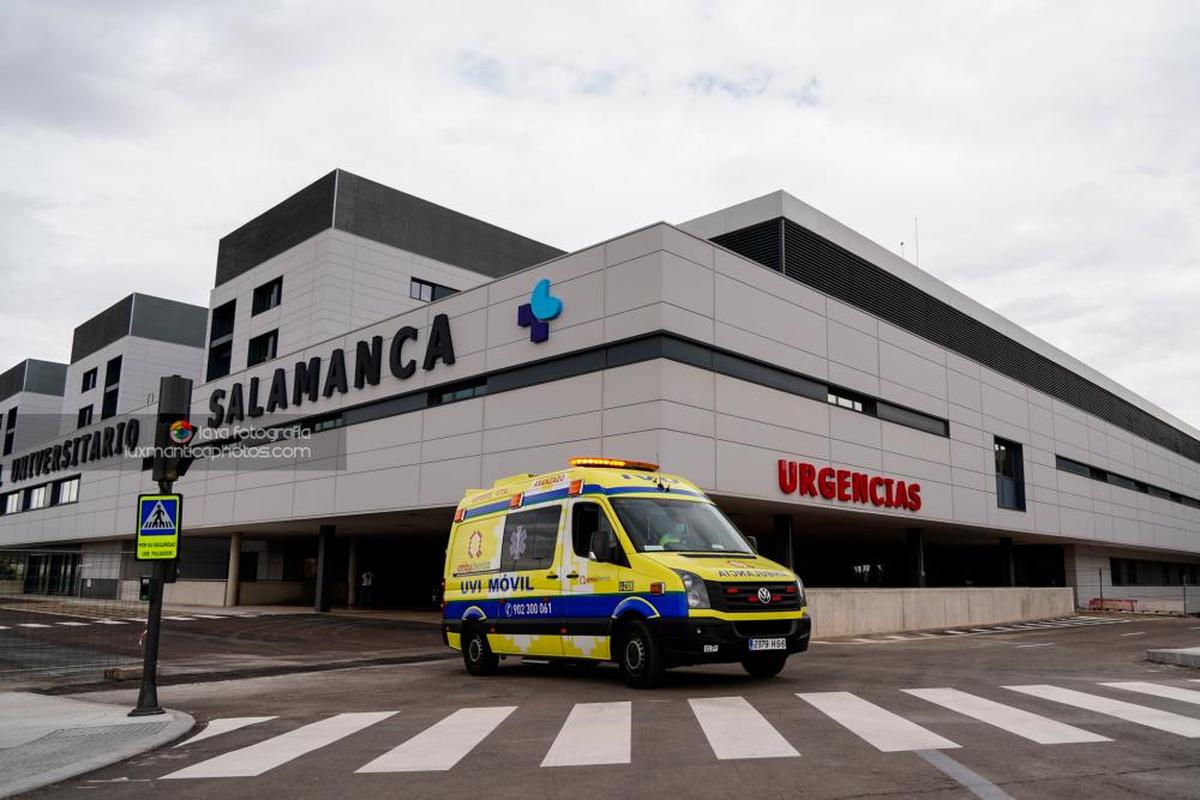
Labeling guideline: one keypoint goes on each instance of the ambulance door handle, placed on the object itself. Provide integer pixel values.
(572, 575)
(553, 576)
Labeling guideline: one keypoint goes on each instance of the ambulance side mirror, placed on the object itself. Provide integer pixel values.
(753, 540)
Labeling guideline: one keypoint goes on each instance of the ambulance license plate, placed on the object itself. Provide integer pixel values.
(768, 644)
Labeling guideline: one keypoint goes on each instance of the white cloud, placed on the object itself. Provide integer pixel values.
(1048, 149)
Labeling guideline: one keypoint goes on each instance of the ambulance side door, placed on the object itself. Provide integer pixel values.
(595, 578)
(530, 612)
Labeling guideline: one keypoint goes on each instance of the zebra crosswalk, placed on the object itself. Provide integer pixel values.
(732, 727)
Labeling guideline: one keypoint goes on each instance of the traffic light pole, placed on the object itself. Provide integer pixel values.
(174, 403)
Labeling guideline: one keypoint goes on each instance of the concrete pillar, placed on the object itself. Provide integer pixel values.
(1008, 568)
(916, 558)
(235, 567)
(783, 535)
(352, 578)
(324, 553)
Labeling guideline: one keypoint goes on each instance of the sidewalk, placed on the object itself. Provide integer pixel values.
(44, 740)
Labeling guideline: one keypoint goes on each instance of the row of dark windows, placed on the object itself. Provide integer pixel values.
(617, 354)
(1115, 479)
(1138, 572)
(1010, 474)
(108, 401)
(31, 498)
(265, 346)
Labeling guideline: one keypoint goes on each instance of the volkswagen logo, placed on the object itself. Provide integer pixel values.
(764, 595)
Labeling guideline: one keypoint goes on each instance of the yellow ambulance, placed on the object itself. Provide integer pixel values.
(612, 560)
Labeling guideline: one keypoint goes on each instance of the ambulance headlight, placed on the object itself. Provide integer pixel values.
(693, 586)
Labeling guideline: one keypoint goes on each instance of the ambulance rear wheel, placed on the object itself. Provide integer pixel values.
(639, 657)
(477, 655)
(764, 665)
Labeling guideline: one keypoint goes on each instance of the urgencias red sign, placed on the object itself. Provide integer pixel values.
(847, 486)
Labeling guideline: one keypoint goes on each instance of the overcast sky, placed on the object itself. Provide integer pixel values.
(1051, 151)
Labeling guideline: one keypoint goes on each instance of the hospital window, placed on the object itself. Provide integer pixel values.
(112, 380)
(267, 296)
(262, 348)
(89, 380)
(10, 430)
(845, 401)
(529, 539)
(428, 291)
(84, 418)
(220, 341)
(12, 503)
(66, 491)
(39, 496)
(1010, 475)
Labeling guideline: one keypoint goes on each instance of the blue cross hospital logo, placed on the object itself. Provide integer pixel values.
(537, 313)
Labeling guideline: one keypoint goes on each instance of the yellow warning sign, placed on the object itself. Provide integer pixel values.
(158, 522)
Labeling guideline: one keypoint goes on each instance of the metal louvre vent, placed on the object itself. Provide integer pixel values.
(762, 243)
(814, 260)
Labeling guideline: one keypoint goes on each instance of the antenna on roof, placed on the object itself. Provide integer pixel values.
(902, 249)
(917, 241)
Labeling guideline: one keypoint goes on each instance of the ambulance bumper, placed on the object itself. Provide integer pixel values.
(720, 641)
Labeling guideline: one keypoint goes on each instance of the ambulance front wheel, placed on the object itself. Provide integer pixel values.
(477, 655)
(640, 657)
(764, 665)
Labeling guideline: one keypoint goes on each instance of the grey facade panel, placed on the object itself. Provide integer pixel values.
(168, 320)
(818, 262)
(386, 215)
(301, 216)
(12, 380)
(103, 329)
(45, 377)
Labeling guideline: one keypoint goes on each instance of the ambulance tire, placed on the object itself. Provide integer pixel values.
(639, 657)
(478, 657)
(764, 665)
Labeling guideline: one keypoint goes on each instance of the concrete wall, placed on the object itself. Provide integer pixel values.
(853, 612)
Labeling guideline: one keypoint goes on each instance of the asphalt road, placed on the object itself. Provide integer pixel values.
(533, 730)
(46, 650)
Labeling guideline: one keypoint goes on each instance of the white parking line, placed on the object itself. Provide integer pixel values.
(108, 622)
(1135, 633)
(31, 625)
(878, 726)
(440, 747)
(735, 729)
(594, 733)
(1039, 644)
(1025, 724)
(1130, 712)
(73, 624)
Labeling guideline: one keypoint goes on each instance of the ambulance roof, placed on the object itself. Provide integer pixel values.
(620, 478)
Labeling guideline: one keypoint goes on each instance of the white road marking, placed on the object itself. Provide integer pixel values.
(735, 729)
(1135, 633)
(1140, 715)
(208, 616)
(956, 633)
(216, 727)
(442, 745)
(1039, 644)
(594, 733)
(181, 619)
(3, 627)
(31, 625)
(878, 726)
(1033, 727)
(973, 782)
(267, 755)
(108, 622)
(73, 624)
(1169, 692)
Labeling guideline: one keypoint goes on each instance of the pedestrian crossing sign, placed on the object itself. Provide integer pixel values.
(158, 521)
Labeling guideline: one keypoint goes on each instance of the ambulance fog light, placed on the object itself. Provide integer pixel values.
(693, 586)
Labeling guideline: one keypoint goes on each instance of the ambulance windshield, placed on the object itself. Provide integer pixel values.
(656, 525)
